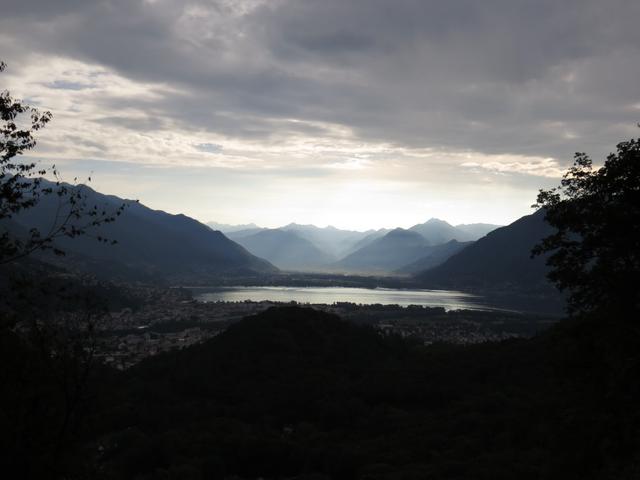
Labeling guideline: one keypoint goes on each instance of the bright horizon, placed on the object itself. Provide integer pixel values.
(352, 205)
(406, 227)
(346, 113)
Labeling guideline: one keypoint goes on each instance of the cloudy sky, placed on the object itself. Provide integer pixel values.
(356, 113)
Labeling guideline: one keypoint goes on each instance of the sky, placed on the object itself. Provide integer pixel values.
(355, 113)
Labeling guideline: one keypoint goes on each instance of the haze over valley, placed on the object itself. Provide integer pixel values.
(383, 251)
(158, 247)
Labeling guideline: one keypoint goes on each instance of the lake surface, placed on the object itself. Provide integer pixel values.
(450, 300)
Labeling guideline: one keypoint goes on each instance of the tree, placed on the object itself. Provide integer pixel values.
(595, 253)
(22, 187)
(46, 354)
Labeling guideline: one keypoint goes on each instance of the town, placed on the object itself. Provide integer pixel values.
(170, 320)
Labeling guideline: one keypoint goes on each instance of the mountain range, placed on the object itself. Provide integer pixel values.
(151, 244)
(334, 242)
(226, 228)
(387, 253)
(433, 256)
(501, 259)
(285, 249)
(380, 251)
(439, 255)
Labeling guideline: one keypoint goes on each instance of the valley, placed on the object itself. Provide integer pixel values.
(161, 321)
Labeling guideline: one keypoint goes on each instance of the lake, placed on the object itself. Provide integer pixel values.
(450, 300)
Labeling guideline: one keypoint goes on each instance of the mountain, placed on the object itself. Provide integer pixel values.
(297, 393)
(332, 240)
(476, 230)
(436, 231)
(225, 228)
(439, 232)
(367, 240)
(344, 244)
(436, 255)
(235, 235)
(152, 244)
(285, 249)
(500, 259)
(397, 248)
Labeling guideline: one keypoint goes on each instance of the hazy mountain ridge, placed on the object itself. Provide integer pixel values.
(477, 230)
(500, 259)
(334, 241)
(439, 232)
(150, 243)
(397, 248)
(422, 246)
(246, 232)
(355, 251)
(367, 240)
(153, 245)
(437, 254)
(285, 249)
(226, 228)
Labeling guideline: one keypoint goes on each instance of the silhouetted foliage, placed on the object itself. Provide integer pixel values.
(21, 188)
(296, 393)
(47, 323)
(595, 253)
(48, 333)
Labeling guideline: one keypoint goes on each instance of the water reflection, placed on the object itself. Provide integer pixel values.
(450, 300)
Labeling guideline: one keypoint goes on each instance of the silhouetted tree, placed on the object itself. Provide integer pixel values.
(595, 254)
(47, 353)
(22, 186)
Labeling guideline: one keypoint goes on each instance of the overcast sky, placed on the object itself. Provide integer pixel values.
(356, 113)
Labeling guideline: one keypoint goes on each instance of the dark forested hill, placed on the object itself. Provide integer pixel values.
(150, 243)
(500, 259)
(296, 393)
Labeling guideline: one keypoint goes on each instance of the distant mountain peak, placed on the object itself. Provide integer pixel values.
(226, 228)
(501, 259)
(437, 221)
(285, 249)
(308, 226)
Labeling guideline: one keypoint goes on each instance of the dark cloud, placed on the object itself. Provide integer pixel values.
(40, 10)
(504, 76)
